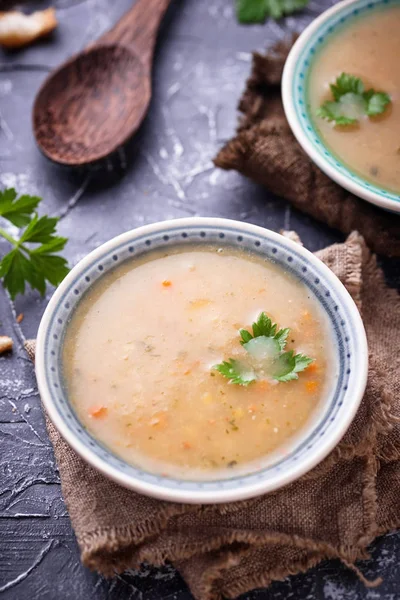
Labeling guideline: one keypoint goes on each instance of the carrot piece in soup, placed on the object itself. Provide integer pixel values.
(311, 386)
(98, 411)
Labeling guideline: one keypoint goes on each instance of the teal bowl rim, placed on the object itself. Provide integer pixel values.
(313, 445)
(294, 96)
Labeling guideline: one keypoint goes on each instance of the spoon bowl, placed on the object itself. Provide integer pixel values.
(93, 103)
(84, 112)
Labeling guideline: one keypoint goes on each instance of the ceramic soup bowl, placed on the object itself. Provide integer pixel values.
(316, 440)
(295, 81)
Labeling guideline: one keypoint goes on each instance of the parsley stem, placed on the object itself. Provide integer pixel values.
(8, 237)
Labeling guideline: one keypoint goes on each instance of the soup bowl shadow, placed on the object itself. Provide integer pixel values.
(314, 442)
(295, 81)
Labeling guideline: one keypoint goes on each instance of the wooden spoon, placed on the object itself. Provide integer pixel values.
(95, 102)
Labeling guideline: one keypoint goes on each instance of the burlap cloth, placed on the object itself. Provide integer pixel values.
(265, 150)
(335, 511)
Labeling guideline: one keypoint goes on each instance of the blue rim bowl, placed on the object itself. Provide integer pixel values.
(295, 101)
(317, 439)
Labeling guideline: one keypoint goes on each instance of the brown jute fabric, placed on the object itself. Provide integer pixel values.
(334, 511)
(265, 150)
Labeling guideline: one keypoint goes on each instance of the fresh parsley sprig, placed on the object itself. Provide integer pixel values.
(350, 101)
(257, 11)
(32, 258)
(266, 345)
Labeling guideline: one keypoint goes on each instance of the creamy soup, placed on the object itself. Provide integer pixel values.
(140, 350)
(369, 48)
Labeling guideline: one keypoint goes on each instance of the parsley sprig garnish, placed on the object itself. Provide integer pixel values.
(257, 11)
(351, 101)
(32, 259)
(266, 347)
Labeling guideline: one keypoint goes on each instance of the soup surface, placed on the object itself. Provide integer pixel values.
(368, 48)
(139, 355)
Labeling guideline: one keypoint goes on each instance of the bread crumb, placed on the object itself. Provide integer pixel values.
(291, 235)
(20, 318)
(6, 344)
(18, 30)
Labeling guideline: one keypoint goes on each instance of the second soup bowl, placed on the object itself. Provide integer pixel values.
(295, 94)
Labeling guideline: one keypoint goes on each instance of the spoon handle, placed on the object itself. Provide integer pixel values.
(138, 28)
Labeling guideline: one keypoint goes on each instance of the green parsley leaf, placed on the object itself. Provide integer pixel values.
(281, 337)
(302, 362)
(251, 11)
(289, 364)
(245, 335)
(351, 101)
(257, 11)
(17, 210)
(346, 83)
(40, 230)
(55, 245)
(265, 327)
(281, 8)
(236, 371)
(265, 345)
(376, 103)
(52, 268)
(24, 263)
(12, 270)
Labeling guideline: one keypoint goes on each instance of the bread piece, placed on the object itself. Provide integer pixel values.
(18, 30)
(6, 343)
